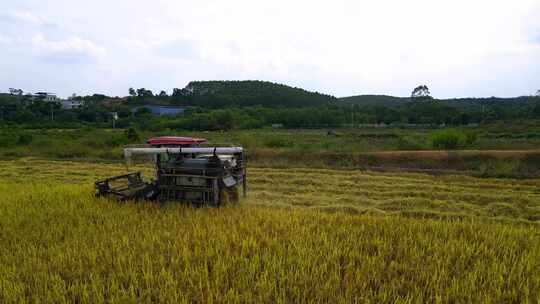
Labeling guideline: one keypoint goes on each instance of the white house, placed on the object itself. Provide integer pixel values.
(71, 104)
(45, 96)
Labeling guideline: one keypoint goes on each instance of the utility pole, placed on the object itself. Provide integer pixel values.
(114, 118)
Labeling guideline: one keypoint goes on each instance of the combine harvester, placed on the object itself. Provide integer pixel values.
(184, 171)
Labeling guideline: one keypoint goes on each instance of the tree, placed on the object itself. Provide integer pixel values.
(421, 93)
(142, 92)
(143, 112)
(13, 91)
(132, 135)
(538, 93)
(132, 92)
(536, 111)
(162, 94)
(179, 92)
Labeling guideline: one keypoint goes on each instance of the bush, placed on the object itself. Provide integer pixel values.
(116, 140)
(132, 135)
(470, 138)
(449, 139)
(407, 142)
(25, 139)
(278, 143)
(7, 140)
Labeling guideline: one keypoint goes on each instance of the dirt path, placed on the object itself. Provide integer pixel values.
(438, 154)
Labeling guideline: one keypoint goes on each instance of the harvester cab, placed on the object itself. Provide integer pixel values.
(185, 171)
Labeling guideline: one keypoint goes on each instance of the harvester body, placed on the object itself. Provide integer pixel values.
(184, 171)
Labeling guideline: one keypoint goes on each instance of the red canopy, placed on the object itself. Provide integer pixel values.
(175, 141)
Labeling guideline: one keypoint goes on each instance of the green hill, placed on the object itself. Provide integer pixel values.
(393, 101)
(217, 94)
(375, 100)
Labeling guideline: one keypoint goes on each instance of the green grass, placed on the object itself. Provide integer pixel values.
(352, 148)
(106, 144)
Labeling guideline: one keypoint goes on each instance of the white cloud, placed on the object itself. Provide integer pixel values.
(5, 39)
(27, 17)
(70, 49)
(341, 47)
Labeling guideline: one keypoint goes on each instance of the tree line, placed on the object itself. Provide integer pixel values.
(223, 105)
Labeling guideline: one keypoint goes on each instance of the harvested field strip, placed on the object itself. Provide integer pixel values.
(373, 185)
(398, 205)
(384, 192)
(349, 190)
(393, 177)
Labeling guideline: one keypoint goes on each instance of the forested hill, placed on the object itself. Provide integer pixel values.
(392, 101)
(216, 94)
(374, 100)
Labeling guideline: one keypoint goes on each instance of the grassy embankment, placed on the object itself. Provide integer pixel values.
(302, 234)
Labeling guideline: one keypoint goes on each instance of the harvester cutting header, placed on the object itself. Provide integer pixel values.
(184, 171)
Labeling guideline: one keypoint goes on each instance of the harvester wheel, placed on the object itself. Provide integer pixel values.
(233, 194)
(224, 196)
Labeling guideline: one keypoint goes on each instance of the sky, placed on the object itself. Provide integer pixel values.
(458, 48)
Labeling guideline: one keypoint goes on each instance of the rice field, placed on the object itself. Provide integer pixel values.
(302, 235)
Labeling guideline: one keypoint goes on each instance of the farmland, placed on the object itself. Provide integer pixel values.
(495, 150)
(302, 234)
(270, 152)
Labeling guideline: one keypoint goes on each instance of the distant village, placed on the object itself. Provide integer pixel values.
(73, 102)
(67, 104)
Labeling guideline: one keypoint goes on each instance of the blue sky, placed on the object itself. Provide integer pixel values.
(342, 47)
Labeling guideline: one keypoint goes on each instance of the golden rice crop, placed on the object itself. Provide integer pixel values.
(337, 236)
